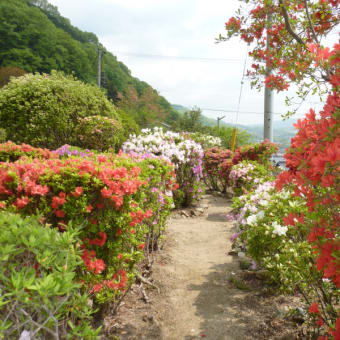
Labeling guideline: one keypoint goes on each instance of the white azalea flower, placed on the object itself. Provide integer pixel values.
(279, 229)
(263, 202)
(260, 215)
(251, 219)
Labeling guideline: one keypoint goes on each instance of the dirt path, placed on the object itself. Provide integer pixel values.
(197, 299)
(202, 302)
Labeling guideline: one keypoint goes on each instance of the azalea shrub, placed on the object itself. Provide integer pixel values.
(217, 164)
(222, 168)
(272, 231)
(66, 151)
(295, 236)
(259, 152)
(10, 152)
(244, 175)
(206, 141)
(39, 295)
(98, 132)
(313, 162)
(185, 154)
(105, 196)
(156, 195)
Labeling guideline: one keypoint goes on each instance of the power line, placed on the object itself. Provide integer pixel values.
(235, 111)
(158, 56)
(241, 88)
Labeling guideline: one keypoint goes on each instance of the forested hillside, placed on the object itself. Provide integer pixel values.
(36, 38)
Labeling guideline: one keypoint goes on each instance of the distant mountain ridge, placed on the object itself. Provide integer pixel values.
(283, 131)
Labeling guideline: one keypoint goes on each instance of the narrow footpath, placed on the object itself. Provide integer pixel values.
(197, 299)
(203, 304)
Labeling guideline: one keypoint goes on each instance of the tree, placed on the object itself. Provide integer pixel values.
(297, 29)
(191, 121)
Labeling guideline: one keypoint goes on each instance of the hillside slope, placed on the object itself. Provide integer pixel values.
(36, 38)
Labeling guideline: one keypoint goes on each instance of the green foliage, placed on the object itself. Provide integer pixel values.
(98, 133)
(130, 127)
(190, 121)
(226, 133)
(32, 42)
(193, 121)
(38, 291)
(45, 110)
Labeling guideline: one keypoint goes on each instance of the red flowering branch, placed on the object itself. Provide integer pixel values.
(295, 24)
(314, 174)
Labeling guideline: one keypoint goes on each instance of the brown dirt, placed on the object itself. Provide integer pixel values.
(198, 299)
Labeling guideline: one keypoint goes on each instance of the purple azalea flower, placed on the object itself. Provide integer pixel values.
(234, 236)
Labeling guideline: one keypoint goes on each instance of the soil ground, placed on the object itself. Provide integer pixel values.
(199, 289)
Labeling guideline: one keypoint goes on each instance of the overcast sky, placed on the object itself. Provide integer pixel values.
(170, 44)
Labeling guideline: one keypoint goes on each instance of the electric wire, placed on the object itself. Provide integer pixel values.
(241, 88)
(158, 56)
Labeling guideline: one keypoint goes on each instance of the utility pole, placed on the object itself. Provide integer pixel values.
(218, 122)
(268, 93)
(99, 76)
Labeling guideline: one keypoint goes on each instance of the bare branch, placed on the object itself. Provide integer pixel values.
(310, 23)
(146, 281)
(36, 323)
(287, 24)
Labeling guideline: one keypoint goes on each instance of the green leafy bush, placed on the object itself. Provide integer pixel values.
(45, 110)
(112, 197)
(130, 127)
(38, 291)
(98, 133)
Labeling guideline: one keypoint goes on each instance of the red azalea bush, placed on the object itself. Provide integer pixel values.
(157, 195)
(260, 152)
(10, 152)
(106, 200)
(314, 163)
(217, 164)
